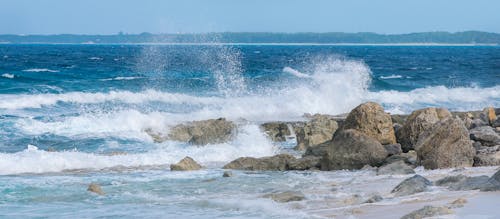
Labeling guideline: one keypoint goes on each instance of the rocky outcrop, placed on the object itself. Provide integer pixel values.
(446, 144)
(276, 131)
(486, 135)
(418, 122)
(277, 162)
(288, 196)
(318, 130)
(395, 168)
(351, 149)
(487, 156)
(412, 185)
(185, 164)
(428, 211)
(95, 188)
(212, 131)
(369, 118)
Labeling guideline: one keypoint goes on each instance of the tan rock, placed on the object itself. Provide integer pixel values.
(316, 131)
(95, 188)
(185, 164)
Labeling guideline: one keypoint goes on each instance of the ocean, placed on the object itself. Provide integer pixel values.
(65, 109)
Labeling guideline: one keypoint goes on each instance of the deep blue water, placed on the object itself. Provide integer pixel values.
(86, 101)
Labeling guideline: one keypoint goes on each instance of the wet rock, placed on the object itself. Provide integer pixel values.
(487, 156)
(393, 149)
(227, 174)
(463, 183)
(446, 144)
(277, 162)
(395, 168)
(316, 131)
(493, 183)
(277, 131)
(486, 135)
(185, 164)
(305, 163)
(458, 203)
(351, 149)
(288, 196)
(428, 211)
(412, 185)
(418, 122)
(409, 158)
(369, 118)
(488, 115)
(374, 198)
(95, 188)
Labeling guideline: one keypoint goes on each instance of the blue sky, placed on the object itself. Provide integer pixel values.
(173, 16)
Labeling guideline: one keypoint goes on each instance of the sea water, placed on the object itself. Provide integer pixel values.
(75, 114)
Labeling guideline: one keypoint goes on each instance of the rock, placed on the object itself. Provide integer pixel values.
(227, 174)
(458, 203)
(351, 149)
(496, 123)
(477, 123)
(185, 164)
(493, 183)
(277, 131)
(399, 119)
(487, 156)
(374, 198)
(409, 158)
(393, 149)
(428, 211)
(486, 135)
(446, 144)
(412, 185)
(95, 188)
(488, 115)
(463, 183)
(212, 131)
(416, 123)
(395, 168)
(316, 131)
(318, 150)
(277, 162)
(288, 196)
(369, 118)
(305, 163)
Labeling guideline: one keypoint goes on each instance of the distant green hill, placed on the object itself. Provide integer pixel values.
(468, 37)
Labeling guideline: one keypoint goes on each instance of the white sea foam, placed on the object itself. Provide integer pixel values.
(96, 58)
(250, 141)
(40, 70)
(295, 73)
(120, 78)
(391, 77)
(7, 75)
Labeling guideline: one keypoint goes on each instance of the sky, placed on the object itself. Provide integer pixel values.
(197, 16)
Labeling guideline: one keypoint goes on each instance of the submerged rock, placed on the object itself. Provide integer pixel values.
(277, 162)
(95, 188)
(318, 130)
(446, 144)
(374, 198)
(463, 183)
(351, 149)
(227, 174)
(412, 185)
(395, 168)
(493, 183)
(185, 164)
(418, 122)
(458, 203)
(369, 118)
(428, 211)
(486, 135)
(288, 196)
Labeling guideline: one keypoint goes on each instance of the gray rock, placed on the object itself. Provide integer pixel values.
(395, 168)
(393, 149)
(318, 130)
(370, 119)
(458, 203)
(445, 145)
(409, 158)
(305, 163)
(463, 183)
(288, 196)
(488, 115)
(186, 164)
(486, 135)
(412, 185)
(351, 149)
(277, 131)
(212, 131)
(227, 174)
(428, 211)
(374, 198)
(493, 183)
(477, 123)
(277, 162)
(418, 122)
(95, 188)
(487, 156)
(496, 123)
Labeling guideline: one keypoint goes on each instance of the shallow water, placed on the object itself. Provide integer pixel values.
(89, 101)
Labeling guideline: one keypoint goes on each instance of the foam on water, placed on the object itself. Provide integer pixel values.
(391, 77)
(40, 70)
(7, 75)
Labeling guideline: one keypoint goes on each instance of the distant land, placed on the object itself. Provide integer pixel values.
(467, 37)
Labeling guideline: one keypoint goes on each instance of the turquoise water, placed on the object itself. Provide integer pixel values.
(88, 101)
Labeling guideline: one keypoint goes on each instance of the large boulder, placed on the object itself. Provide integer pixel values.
(446, 144)
(428, 211)
(395, 168)
(212, 131)
(486, 135)
(318, 130)
(487, 156)
(412, 185)
(277, 162)
(369, 118)
(185, 164)
(418, 122)
(351, 149)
